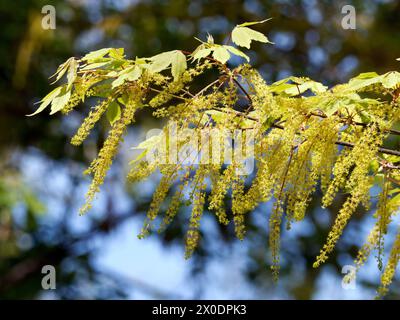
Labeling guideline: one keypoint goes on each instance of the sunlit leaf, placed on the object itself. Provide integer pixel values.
(47, 100)
(61, 100)
(179, 64)
(391, 80)
(246, 24)
(113, 112)
(130, 74)
(243, 36)
(163, 60)
(95, 65)
(95, 55)
(221, 54)
(71, 76)
(202, 53)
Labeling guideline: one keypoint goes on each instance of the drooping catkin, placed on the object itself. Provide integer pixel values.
(358, 183)
(102, 163)
(390, 268)
(90, 121)
(198, 198)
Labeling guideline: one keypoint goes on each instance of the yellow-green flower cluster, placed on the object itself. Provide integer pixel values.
(358, 183)
(102, 163)
(390, 269)
(90, 121)
(296, 138)
(198, 198)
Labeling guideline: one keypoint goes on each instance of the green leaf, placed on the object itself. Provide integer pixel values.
(237, 52)
(394, 203)
(394, 191)
(221, 54)
(113, 112)
(363, 81)
(299, 86)
(123, 99)
(61, 100)
(202, 53)
(179, 64)
(268, 123)
(391, 79)
(95, 65)
(210, 39)
(116, 53)
(95, 55)
(243, 36)
(367, 75)
(46, 101)
(130, 74)
(71, 76)
(217, 116)
(61, 70)
(315, 87)
(280, 86)
(246, 24)
(163, 60)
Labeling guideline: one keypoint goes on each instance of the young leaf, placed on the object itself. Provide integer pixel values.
(178, 64)
(163, 60)
(221, 54)
(61, 100)
(113, 112)
(243, 36)
(61, 70)
(116, 53)
(363, 81)
(210, 39)
(394, 203)
(130, 74)
(71, 75)
(391, 79)
(217, 116)
(246, 24)
(95, 65)
(201, 53)
(95, 55)
(46, 101)
(313, 86)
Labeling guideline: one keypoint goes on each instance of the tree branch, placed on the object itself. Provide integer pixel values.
(342, 143)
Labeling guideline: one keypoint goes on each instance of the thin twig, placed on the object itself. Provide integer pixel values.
(362, 124)
(244, 91)
(342, 143)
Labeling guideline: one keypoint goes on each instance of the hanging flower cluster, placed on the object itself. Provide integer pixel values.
(302, 137)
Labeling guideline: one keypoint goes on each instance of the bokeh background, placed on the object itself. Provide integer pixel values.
(98, 255)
